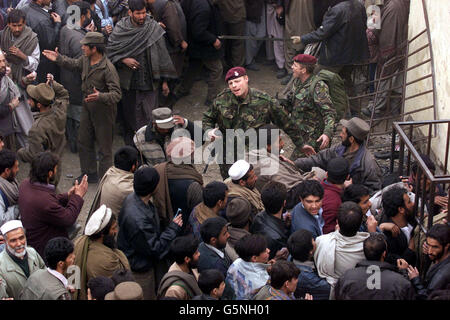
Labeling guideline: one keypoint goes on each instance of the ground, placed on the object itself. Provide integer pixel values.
(190, 107)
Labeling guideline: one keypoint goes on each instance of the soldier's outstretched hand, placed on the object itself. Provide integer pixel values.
(325, 141)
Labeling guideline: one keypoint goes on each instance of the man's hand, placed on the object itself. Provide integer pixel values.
(283, 158)
(50, 79)
(165, 89)
(81, 189)
(178, 220)
(391, 227)
(217, 44)
(308, 150)
(51, 55)
(412, 272)
(56, 18)
(296, 39)
(371, 224)
(282, 254)
(108, 29)
(91, 27)
(131, 63)
(178, 120)
(425, 248)
(308, 297)
(348, 183)
(93, 96)
(325, 141)
(14, 103)
(279, 10)
(402, 264)
(441, 201)
(18, 53)
(184, 46)
(213, 135)
(32, 76)
(162, 25)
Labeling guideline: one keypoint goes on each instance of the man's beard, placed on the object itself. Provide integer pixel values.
(193, 264)
(221, 246)
(346, 142)
(110, 241)
(14, 253)
(437, 257)
(86, 23)
(11, 177)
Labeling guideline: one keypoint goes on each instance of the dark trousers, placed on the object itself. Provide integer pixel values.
(135, 111)
(214, 69)
(235, 49)
(96, 125)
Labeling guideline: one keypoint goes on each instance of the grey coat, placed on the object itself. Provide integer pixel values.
(363, 170)
(70, 46)
(12, 277)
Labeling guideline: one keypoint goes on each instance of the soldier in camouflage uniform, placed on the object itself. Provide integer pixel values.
(312, 115)
(240, 107)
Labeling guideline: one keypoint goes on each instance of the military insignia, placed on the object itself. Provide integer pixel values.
(236, 74)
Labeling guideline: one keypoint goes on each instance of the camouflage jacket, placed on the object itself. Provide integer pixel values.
(231, 112)
(311, 116)
(256, 110)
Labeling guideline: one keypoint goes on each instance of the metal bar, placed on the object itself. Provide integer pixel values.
(420, 79)
(391, 166)
(431, 206)
(418, 35)
(418, 65)
(419, 94)
(417, 110)
(447, 149)
(420, 49)
(427, 24)
(430, 126)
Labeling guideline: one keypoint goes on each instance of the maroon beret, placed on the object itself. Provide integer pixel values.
(305, 59)
(234, 73)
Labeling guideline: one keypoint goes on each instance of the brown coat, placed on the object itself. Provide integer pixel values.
(103, 77)
(48, 130)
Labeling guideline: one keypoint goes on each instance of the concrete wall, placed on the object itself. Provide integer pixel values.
(439, 20)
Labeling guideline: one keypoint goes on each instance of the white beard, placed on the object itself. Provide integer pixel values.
(14, 253)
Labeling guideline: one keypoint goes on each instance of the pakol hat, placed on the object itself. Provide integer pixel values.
(98, 221)
(163, 118)
(305, 59)
(238, 212)
(10, 226)
(93, 38)
(180, 148)
(357, 127)
(42, 93)
(238, 170)
(127, 290)
(234, 73)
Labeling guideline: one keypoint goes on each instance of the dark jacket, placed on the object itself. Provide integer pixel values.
(343, 35)
(6, 117)
(330, 205)
(353, 285)
(397, 248)
(310, 282)
(363, 170)
(204, 24)
(70, 46)
(45, 214)
(140, 237)
(437, 278)
(211, 260)
(301, 219)
(273, 229)
(47, 31)
(254, 9)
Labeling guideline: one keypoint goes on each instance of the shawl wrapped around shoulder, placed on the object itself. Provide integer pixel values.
(129, 41)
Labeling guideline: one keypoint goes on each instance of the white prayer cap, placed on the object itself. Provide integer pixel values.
(10, 225)
(98, 221)
(238, 169)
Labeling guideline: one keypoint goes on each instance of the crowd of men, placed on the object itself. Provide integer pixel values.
(314, 228)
